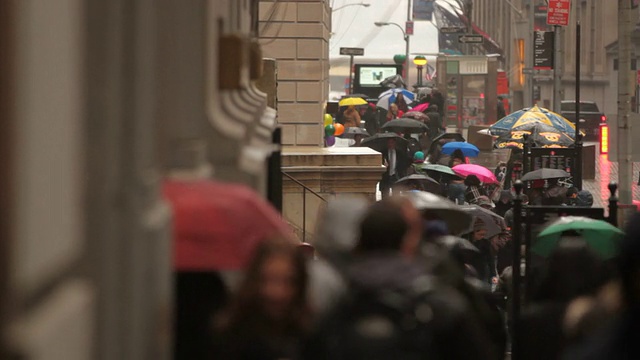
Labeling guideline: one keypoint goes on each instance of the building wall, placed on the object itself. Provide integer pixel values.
(505, 25)
(296, 34)
(101, 100)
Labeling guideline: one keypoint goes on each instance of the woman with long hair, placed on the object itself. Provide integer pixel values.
(269, 315)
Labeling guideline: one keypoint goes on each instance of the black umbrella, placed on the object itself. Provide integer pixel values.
(545, 174)
(420, 182)
(352, 131)
(405, 125)
(416, 115)
(393, 81)
(489, 218)
(379, 141)
(451, 242)
(434, 207)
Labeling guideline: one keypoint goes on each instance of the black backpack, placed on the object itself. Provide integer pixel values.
(384, 324)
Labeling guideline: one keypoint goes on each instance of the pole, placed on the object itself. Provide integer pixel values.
(350, 74)
(578, 143)
(419, 76)
(516, 285)
(557, 68)
(406, 39)
(624, 104)
(528, 56)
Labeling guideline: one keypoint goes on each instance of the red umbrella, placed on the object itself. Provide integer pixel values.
(485, 175)
(216, 226)
(420, 107)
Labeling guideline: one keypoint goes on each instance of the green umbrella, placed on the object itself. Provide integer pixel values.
(601, 236)
(438, 168)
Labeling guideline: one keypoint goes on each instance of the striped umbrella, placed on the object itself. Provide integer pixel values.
(389, 97)
(532, 115)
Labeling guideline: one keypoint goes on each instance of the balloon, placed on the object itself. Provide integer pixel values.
(329, 130)
(339, 129)
(328, 119)
(330, 140)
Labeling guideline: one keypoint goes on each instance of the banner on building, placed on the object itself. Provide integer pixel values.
(423, 10)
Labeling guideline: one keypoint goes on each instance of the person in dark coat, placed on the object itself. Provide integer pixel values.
(500, 110)
(620, 337)
(435, 121)
(474, 189)
(397, 162)
(386, 271)
(438, 99)
(370, 119)
(504, 202)
(572, 271)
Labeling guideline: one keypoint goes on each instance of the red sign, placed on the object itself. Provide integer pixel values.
(638, 77)
(558, 12)
(409, 28)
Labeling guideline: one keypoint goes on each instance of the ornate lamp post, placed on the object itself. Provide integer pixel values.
(420, 62)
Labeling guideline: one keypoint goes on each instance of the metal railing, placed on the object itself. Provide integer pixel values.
(305, 189)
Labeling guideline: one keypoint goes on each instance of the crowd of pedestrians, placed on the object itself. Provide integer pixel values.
(389, 282)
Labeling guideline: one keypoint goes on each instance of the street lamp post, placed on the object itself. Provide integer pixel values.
(346, 5)
(420, 61)
(406, 40)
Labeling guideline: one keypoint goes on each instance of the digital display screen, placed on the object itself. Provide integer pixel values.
(372, 76)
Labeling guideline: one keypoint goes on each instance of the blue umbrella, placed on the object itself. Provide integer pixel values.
(467, 149)
(389, 97)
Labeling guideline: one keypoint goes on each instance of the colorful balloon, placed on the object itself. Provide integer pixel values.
(329, 130)
(328, 119)
(330, 140)
(339, 129)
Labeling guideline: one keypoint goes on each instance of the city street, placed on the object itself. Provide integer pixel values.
(605, 173)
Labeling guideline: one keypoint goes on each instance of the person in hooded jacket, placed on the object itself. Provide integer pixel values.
(386, 281)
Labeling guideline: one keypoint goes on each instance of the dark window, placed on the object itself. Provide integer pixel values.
(584, 106)
(634, 64)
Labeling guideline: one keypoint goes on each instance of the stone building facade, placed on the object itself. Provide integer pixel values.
(507, 22)
(101, 101)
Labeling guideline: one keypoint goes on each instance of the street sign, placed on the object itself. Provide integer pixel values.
(408, 28)
(470, 39)
(352, 51)
(453, 30)
(558, 12)
(543, 50)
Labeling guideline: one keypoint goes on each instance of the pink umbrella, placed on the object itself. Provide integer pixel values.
(485, 175)
(420, 107)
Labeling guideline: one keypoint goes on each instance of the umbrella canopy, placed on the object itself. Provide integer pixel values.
(467, 149)
(443, 169)
(452, 243)
(416, 115)
(434, 207)
(489, 218)
(218, 225)
(379, 141)
(389, 97)
(393, 81)
(545, 174)
(422, 182)
(352, 131)
(485, 175)
(532, 115)
(447, 137)
(352, 101)
(405, 125)
(601, 236)
(420, 107)
(541, 135)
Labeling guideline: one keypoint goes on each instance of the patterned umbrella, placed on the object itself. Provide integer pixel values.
(416, 115)
(541, 134)
(532, 115)
(389, 97)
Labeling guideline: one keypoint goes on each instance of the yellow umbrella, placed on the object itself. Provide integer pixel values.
(352, 101)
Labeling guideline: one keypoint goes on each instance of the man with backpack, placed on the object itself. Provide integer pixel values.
(394, 309)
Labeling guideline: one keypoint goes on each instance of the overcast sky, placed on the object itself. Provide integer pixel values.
(353, 26)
